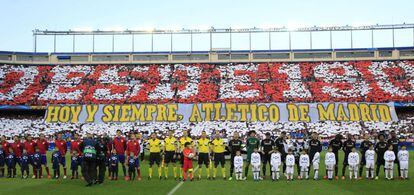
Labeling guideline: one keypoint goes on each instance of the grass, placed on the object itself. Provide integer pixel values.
(216, 187)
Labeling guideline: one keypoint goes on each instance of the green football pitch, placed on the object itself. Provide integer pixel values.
(215, 187)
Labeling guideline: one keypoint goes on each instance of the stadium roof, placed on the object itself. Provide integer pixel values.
(226, 44)
(220, 30)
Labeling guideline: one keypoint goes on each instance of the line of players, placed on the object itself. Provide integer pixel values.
(33, 152)
(387, 153)
(211, 154)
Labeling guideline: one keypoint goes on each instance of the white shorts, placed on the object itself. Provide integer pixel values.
(289, 169)
(353, 167)
(275, 168)
(370, 164)
(238, 169)
(389, 165)
(404, 165)
(330, 167)
(315, 166)
(255, 168)
(304, 169)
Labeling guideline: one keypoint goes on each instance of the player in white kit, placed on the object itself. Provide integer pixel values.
(275, 162)
(290, 165)
(389, 158)
(403, 157)
(370, 162)
(353, 162)
(304, 165)
(238, 165)
(330, 162)
(315, 165)
(256, 162)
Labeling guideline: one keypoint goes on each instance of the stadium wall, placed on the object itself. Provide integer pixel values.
(399, 53)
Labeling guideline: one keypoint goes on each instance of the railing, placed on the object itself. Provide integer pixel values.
(398, 53)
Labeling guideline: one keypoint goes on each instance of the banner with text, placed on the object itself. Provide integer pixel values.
(238, 112)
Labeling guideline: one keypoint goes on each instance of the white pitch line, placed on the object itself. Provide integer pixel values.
(180, 184)
(175, 188)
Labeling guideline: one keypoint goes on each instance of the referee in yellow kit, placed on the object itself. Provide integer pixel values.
(218, 149)
(155, 146)
(171, 151)
(203, 150)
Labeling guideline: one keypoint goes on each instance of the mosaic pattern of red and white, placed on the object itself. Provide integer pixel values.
(354, 81)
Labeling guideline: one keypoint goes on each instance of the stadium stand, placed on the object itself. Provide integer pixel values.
(354, 81)
(337, 81)
(21, 125)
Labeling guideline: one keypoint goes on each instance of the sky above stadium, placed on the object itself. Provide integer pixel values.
(20, 17)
